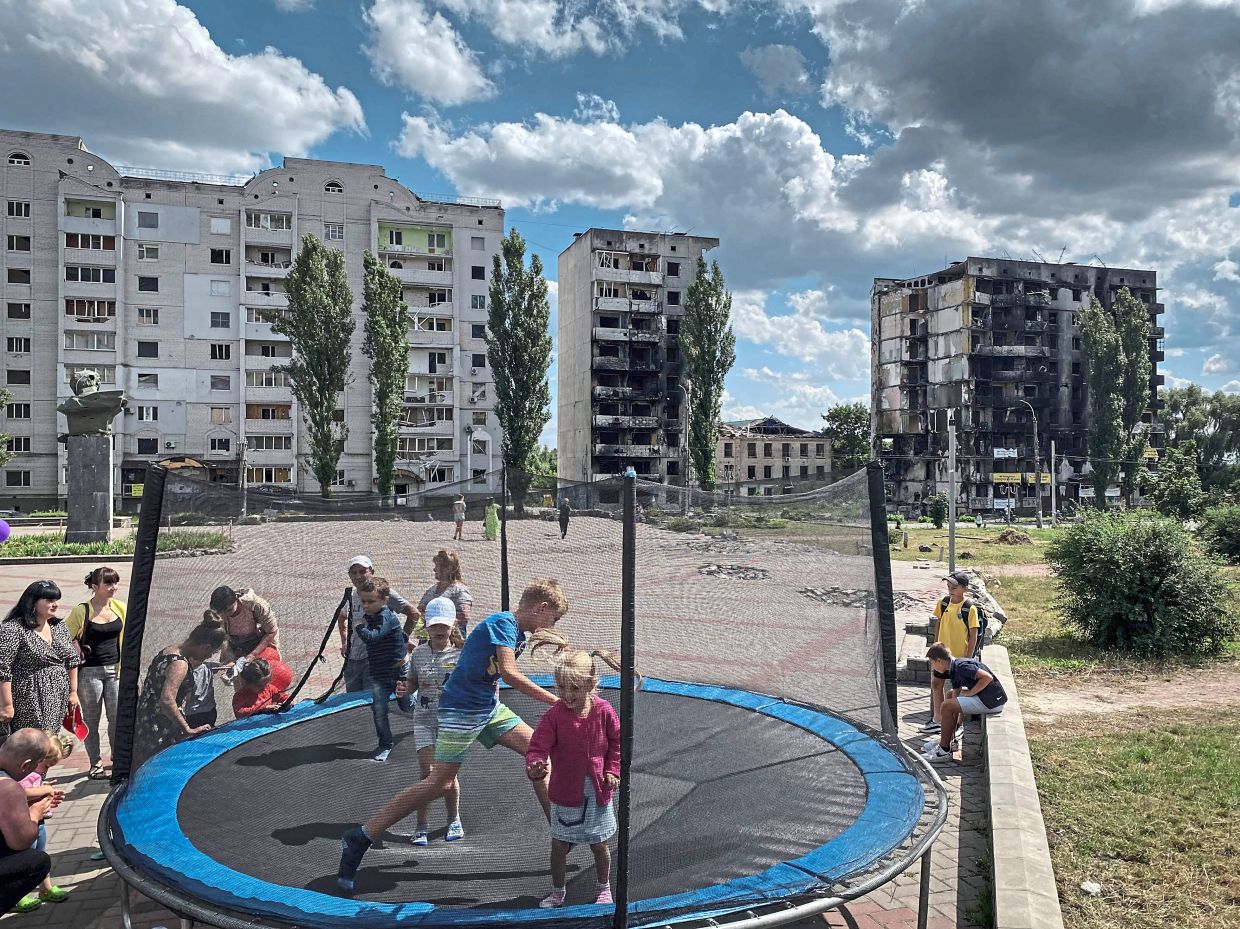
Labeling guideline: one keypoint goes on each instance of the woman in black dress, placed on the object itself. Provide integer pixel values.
(169, 682)
(38, 663)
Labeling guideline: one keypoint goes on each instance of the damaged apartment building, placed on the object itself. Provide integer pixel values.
(620, 395)
(997, 341)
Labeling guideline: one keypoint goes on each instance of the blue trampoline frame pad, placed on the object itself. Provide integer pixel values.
(147, 834)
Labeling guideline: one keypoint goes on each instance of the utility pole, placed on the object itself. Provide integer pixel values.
(1037, 462)
(684, 444)
(242, 447)
(951, 490)
(1054, 478)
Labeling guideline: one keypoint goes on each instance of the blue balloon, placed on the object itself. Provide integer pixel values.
(4, 531)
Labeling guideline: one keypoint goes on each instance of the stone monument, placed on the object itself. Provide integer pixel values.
(90, 412)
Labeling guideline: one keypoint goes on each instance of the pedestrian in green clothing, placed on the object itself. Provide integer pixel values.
(490, 523)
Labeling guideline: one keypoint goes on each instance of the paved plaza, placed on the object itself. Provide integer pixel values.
(588, 565)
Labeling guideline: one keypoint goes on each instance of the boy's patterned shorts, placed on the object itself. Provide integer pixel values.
(459, 729)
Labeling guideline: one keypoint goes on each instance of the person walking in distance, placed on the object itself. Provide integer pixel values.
(458, 517)
(565, 512)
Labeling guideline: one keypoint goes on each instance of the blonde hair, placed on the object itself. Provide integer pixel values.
(573, 665)
(452, 562)
(59, 747)
(545, 590)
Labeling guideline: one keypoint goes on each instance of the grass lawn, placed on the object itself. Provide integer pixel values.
(1146, 806)
(978, 542)
(169, 540)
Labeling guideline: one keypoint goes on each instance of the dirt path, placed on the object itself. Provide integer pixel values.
(1109, 693)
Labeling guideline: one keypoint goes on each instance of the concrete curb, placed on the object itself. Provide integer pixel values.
(1025, 895)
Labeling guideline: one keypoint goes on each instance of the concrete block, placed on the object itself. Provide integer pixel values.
(90, 488)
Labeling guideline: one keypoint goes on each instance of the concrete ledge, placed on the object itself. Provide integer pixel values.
(1025, 894)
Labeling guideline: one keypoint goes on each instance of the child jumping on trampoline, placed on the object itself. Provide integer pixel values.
(470, 711)
(580, 735)
(430, 665)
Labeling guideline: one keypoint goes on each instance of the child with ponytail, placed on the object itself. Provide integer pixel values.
(580, 737)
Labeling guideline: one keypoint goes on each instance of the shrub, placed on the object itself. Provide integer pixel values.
(49, 514)
(923, 519)
(1131, 580)
(53, 543)
(1176, 488)
(938, 510)
(681, 524)
(1221, 530)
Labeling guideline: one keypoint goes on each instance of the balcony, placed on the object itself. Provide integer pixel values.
(1034, 299)
(628, 451)
(272, 395)
(612, 393)
(437, 427)
(92, 256)
(607, 334)
(261, 332)
(276, 269)
(1158, 355)
(271, 426)
(79, 290)
(91, 226)
(1158, 380)
(423, 367)
(612, 304)
(415, 250)
(646, 307)
(429, 398)
(276, 299)
(625, 276)
(1013, 351)
(1158, 332)
(257, 235)
(422, 277)
(626, 422)
(608, 363)
(426, 338)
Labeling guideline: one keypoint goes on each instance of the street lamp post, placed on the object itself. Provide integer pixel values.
(1037, 462)
(684, 442)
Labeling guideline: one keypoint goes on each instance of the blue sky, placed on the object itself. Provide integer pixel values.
(824, 141)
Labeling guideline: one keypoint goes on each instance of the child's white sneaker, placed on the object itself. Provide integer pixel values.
(421, 838)
(553, 899)
(382, 754)
(937, 753)
(455, 831)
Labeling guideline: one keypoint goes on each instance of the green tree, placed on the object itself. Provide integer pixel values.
(319, 324)
(848, 428)
(1176, 488)
(386, 344)
(519, 350)
(6, 440)
(543, 461)
(937, 509)
(1212, 422)
(1115, 350)
(708, 348)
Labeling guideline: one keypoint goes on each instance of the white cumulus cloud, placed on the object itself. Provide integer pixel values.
(778, 68)
(1216, 364)
(1227, 270)
(420, 50)
(144, 83)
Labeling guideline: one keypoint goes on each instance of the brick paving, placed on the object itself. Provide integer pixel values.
(958, 867)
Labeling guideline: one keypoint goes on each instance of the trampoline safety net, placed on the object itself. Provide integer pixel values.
(762, 773)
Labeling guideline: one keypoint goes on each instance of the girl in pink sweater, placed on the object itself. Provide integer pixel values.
(580, 735)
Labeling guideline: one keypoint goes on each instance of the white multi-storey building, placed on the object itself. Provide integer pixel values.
(163, 282)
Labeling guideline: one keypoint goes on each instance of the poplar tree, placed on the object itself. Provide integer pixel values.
(386, 344)
(708, 348)
(519, 352)
(319, 325)
(6, 440)
(1115, 352)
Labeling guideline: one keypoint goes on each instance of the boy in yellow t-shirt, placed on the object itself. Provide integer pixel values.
(958, 633)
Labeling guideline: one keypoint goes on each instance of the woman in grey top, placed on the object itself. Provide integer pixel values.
(449, 583)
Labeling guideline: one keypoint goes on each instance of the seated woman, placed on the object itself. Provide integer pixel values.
(169, 683)
(261, 687)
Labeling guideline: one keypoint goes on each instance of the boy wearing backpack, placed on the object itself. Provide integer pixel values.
(958, 625)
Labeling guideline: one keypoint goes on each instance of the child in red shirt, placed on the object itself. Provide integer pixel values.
(580, 735)
(260, 687)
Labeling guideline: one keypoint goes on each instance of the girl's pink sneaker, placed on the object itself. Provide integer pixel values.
(604, 895)
(553, 899)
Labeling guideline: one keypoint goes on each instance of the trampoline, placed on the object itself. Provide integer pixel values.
(748, 809)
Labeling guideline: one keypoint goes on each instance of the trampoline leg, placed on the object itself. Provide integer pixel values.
(187, 923)
(923, 896)
(126, 917)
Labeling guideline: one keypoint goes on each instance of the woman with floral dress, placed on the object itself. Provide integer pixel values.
(38, 663)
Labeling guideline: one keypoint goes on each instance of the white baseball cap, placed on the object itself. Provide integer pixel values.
(440, 612)
(362, 560)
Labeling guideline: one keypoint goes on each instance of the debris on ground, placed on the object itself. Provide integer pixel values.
(925, 548)
(1093, 888)
(1012, 537)
(856, 598)
(739, 571)
(966, 556)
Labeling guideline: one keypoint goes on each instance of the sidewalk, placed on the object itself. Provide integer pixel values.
(958, 871)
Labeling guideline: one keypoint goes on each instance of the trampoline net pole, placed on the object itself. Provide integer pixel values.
(135, 621)
(503, 539)
(628, 635)
(882, 590)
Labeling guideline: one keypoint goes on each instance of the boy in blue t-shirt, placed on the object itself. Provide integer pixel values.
(470, 711)
(386, 650)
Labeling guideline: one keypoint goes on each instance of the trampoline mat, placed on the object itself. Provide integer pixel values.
(719, 792)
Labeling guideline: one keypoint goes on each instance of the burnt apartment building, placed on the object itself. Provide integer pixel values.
(997, 341)
(620, 396)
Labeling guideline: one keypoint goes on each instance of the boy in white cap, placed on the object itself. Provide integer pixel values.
(430, 666)
(356, 670)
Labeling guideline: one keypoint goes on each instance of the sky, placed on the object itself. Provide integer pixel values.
(824, 142)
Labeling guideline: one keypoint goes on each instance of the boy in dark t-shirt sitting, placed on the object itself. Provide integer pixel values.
(974, 690)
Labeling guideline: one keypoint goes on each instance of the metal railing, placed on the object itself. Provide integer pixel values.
(161, 174)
